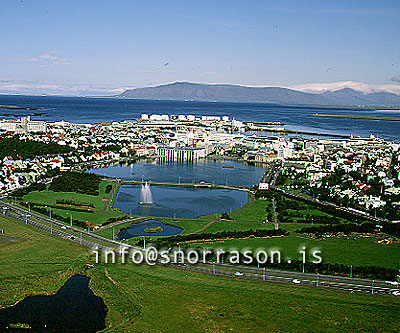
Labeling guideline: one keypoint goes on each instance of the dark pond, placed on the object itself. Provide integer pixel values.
(74, 308)
(138, 229)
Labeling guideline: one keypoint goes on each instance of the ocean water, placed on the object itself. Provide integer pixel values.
(91, 110)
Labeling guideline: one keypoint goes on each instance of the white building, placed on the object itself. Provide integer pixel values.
(23, 125)
(181, 153)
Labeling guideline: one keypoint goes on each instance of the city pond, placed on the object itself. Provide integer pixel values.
(74, 308)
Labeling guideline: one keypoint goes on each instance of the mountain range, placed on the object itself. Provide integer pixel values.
(187, 91)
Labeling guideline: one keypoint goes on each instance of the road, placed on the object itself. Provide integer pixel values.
(96, 242)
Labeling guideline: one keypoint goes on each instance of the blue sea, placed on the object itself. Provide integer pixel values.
(92, 110)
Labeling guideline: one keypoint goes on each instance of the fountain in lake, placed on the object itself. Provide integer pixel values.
(145, 195)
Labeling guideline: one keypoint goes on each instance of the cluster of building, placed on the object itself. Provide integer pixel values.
(17, 173)
(363, 161)
(367, 170)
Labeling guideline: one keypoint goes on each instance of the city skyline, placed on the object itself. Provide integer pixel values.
(84, 48)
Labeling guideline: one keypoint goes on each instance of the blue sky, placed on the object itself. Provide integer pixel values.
(101, 47)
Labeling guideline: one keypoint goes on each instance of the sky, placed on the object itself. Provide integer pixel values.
(103, 47)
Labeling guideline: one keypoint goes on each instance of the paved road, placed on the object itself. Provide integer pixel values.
(93, 241)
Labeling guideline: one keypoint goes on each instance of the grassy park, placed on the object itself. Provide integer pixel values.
(81, 206)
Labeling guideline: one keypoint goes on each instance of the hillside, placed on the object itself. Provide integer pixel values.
(225, 93)
(182, 91)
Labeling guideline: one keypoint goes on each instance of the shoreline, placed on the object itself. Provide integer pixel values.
(349, 116)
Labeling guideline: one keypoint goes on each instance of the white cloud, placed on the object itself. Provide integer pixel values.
(45, 56)
(358, 86)
(47, 59)
(80, 89)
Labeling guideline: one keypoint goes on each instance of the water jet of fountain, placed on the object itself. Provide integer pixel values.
(145, 195)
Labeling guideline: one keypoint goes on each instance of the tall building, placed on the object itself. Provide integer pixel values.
(181, 153)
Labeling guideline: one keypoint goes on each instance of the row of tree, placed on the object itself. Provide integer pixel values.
(346, 228)
(173, 240)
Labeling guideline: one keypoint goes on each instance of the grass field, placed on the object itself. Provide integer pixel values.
(154, 299)
(38, 263)
(360, 252)
(5, 239)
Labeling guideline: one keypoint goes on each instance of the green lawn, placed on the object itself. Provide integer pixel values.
(47, 197)
(96, 215)
(360, 252)
(158, 299)
(5, 239)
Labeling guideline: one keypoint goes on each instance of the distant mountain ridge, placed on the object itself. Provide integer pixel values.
(234, 93)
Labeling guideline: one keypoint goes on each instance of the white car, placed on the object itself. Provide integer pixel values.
(396, 293)
(238, 274)
(64, 227)
(297, 281)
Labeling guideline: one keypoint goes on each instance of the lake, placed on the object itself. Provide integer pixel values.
(208, 170)
(175, 201)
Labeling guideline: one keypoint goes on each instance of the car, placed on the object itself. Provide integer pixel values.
(64, 227)
(297, 281)
(396, 293)
(238, 273)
